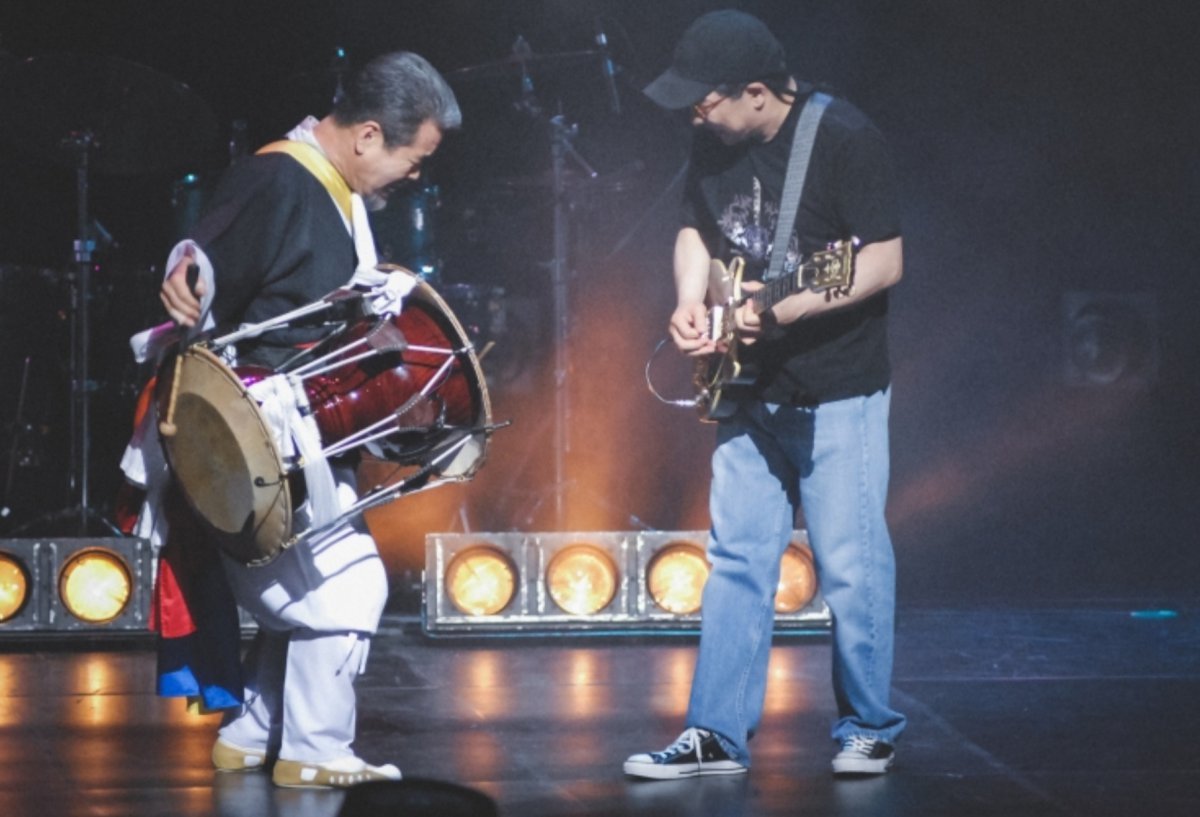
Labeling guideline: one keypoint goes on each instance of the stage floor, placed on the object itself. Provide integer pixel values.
(1084, 708)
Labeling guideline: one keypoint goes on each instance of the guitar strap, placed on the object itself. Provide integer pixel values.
(793, 180)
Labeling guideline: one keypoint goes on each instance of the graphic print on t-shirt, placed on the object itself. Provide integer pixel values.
(748, 223)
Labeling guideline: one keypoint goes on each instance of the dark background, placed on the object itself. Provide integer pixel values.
(1044, 336)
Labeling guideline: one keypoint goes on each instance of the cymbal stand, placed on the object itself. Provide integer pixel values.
(80, 144)
(80, 330)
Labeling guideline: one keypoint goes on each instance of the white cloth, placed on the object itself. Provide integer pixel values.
(149, 344)
(283, 404)
(388, 289)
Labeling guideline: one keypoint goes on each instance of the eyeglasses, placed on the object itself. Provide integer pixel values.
(702, 109)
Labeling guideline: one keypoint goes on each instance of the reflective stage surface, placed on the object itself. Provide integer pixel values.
(1087, 709)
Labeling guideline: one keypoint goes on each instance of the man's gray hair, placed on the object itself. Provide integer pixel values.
(400, 91)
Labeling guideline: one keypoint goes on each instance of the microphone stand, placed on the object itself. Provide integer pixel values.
(562, 148)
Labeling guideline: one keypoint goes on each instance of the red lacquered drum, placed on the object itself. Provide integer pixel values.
(407, 389)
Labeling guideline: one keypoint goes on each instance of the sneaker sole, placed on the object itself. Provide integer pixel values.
(655, 771)
(864, 767)
(227, 757)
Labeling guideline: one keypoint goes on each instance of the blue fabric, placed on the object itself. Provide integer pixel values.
(833, 459)
(206, 663)
(183, 671)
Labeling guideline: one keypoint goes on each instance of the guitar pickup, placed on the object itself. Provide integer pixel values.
(716, 322)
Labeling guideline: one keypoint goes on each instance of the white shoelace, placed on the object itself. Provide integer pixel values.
(688, 741)
(858, 744)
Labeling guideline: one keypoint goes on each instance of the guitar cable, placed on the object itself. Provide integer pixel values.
(690, 403)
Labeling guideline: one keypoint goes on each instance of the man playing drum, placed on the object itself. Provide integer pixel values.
(285, 228)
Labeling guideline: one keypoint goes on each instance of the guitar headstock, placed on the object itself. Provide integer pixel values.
(830, 268)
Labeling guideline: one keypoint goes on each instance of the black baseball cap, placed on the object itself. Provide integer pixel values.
(722, 47)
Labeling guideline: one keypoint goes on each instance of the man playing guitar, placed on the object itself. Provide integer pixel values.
(809, 429)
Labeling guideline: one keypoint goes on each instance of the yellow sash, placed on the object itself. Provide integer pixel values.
(315, 162)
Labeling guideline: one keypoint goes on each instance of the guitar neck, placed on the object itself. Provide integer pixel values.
(831, 267)
(777, 289)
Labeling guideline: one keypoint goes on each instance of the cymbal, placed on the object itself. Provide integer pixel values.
(510, 67)
(140, 121)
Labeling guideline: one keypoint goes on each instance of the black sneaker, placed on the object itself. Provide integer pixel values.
(861, 754)
(694, 753)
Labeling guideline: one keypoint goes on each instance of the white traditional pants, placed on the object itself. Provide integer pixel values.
(317, 606)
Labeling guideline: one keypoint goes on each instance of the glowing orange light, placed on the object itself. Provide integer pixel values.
(582, 579)
(481, 580)
(95, 585)
(14, 586)
(797, 579)
(675, 577)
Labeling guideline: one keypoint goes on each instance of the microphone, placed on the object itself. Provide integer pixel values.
(608, 69)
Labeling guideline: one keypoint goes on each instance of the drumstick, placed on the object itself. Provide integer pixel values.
(167, 427)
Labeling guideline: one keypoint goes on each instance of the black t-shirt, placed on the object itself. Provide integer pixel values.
(277, 242)
(849, 191)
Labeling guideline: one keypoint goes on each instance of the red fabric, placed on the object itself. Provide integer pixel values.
(127, 507)
(179, 563)
(169, 614)
(143, 401)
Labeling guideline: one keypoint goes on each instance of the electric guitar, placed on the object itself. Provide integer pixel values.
(721, 372)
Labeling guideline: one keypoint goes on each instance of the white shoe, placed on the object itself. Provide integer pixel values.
(229, 757)
(338, 774)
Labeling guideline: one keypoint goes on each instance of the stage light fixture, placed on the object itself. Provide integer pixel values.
(601, 582)
(675, 577)
(797, 579)
(95, 585)
(582, 579)
(481, 580)
(75, 586)
(14, 586)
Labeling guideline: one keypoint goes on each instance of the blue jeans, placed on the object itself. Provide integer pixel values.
(770, 460)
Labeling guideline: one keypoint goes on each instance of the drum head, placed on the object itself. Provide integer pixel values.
(223, 456)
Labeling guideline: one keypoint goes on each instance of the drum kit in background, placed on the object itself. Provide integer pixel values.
(92, 116)
(407, 389)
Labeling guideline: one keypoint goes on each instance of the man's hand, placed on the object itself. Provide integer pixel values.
(749, 323)
(182, 302)
(689, 330)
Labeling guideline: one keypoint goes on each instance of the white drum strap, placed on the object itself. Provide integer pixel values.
(284, 406)
(388, 289)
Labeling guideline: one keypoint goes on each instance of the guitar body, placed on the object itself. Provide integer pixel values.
(718, 373)
(721, 376)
